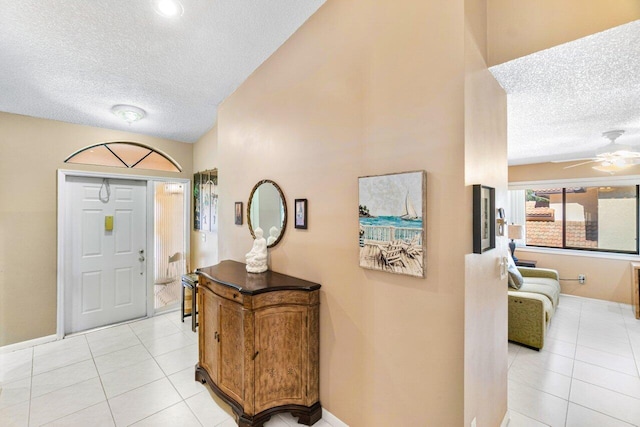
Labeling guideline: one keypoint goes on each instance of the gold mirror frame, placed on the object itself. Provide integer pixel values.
(284, 208)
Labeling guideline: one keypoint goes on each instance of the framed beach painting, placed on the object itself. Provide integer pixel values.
(392, 216)
(484, 218)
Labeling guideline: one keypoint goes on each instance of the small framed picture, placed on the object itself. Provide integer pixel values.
(501, 221)
(301, 213)
(238, 214)
(484, 218)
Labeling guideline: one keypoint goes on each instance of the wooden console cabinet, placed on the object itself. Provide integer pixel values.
(258, 337)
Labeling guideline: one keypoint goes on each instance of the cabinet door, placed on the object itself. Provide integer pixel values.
(231, 374)
(209, 321)
(281, 367)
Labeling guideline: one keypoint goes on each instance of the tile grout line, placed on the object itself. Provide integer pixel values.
(93, 359)
(573, 367)
(30, 387)
(608, 368)
(71, 385)
(602, 413)
(165, 376)
(191, 409)
(626, 328)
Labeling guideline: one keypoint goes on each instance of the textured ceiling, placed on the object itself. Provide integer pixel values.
(562, 99)
(72, 60)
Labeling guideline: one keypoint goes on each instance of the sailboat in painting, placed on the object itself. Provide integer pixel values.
(410, 213)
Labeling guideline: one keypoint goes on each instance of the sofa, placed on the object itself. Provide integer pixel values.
(532, 304)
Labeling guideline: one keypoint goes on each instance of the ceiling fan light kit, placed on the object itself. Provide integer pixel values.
(613, 149)
(611, 167)
(613, 157)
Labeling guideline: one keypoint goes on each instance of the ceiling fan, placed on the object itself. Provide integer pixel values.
(613, 157)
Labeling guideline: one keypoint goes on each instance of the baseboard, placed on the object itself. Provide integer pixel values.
(332, 419)
(505, 420)
(26, 344)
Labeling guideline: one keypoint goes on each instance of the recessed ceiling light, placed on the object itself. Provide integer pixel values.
(168, 8)
(128, 113)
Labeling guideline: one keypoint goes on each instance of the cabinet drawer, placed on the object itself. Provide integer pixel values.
(284, 297)
(227, 292)
(223, 291)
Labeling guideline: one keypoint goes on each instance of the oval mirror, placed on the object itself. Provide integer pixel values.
(268, 210)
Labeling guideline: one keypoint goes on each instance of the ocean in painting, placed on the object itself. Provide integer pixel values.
(391, 221)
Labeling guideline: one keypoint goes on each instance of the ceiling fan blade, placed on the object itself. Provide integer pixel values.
(572, 160)
(580, 164)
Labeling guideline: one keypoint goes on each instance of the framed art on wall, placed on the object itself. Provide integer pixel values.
(205, 200)
(484, 218)
(301, 213)
(392, 216)
(238, 213)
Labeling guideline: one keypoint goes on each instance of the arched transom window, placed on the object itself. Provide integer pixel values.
(132, 155)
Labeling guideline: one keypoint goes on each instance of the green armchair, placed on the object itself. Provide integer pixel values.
(532, 306)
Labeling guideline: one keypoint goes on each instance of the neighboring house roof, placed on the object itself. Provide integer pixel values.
(534, 213)
(547, 233)
(543, 230)
(559, 190)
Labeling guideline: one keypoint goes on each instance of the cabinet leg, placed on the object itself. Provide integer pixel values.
(182, 304)
(199, 376)
(242, 422)
(309, 417)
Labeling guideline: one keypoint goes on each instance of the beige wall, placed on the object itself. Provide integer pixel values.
(517, 28)
(369, 88)
(607, 278)
(204, 245)
(485, 332)
(31, 150)
(552, 171)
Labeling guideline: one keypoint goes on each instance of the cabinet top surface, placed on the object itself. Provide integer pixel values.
(234, 274)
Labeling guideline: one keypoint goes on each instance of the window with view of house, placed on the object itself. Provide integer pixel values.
(602, 218)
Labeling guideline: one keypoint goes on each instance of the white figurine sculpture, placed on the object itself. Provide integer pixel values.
(257, 257)
(273, 235)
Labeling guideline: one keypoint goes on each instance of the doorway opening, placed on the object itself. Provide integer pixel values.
(169, 243)
(165, 226)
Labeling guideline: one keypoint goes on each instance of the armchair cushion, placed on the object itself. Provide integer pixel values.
(515, 278)
(539, 272)
(543, 286)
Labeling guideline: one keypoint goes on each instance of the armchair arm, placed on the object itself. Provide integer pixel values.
(539, 272)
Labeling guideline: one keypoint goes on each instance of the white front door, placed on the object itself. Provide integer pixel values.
(106, 275)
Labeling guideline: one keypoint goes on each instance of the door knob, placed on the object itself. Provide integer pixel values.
(141, 252)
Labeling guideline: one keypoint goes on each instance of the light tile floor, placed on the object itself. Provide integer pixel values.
(139, 374)
(587, 373)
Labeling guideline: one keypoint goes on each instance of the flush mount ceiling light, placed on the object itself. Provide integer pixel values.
(128, 113)
(168, 8)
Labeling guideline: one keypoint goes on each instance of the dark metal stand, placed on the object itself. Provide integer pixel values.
(190, 281)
